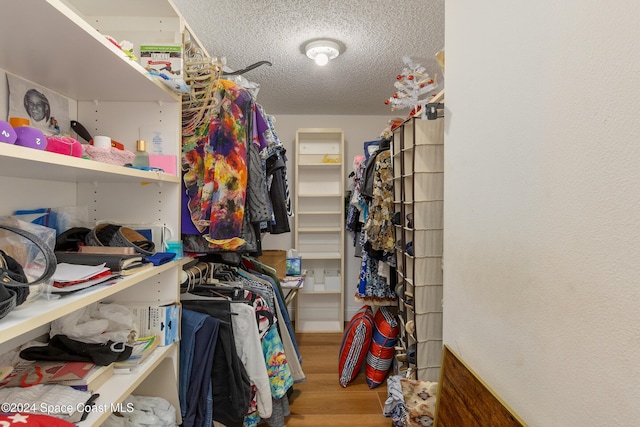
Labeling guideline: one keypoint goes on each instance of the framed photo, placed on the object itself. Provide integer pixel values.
(45, 109)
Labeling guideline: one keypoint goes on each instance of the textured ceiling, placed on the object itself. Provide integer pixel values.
(374, 34)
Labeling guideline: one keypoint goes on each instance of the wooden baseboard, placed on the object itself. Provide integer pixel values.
(465, 400)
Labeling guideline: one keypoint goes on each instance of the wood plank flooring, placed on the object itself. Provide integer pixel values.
(321, 400)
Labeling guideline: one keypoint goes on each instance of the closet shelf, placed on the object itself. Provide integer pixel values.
(139, 8)
(321, 164)
(320, 255)
(320, 213)
(320, 240)
(24, 162)
(105, 73)
(41, 311)
(319, 195)
(61, 46)
(327, 292)
(319, 229)
(120, 386)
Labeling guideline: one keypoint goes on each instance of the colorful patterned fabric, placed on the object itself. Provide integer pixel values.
(382, 349)
(277, 366)
(420, 401)
(394, 406)
(372, 287)
(355, 345)
(215, 169)
(380, 230)
(226, 158)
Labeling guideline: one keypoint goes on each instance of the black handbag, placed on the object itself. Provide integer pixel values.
(14, 284)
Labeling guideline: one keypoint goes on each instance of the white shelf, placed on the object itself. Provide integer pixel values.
(320, 255)
(119, 386)
(137, 9)
(322, 164)
(319, 230)
(321, 213)
(42, 312)
(87, 66)
(59, 44)
(320, 239)
(25, 162)
(307, 292)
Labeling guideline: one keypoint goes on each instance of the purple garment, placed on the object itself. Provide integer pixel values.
(261, 126)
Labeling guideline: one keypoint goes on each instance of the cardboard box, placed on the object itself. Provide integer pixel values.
(276, 258)
(160, 320)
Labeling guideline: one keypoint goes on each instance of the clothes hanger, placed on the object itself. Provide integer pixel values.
(213, 294)
(247, 69)
(265, 268)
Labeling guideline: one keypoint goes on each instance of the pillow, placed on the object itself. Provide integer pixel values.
(355, 344)
(382, 348)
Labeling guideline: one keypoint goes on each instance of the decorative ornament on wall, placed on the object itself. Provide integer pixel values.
(413, 86)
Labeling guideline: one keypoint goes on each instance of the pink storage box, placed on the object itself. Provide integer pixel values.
(64, 145)
(166, 162)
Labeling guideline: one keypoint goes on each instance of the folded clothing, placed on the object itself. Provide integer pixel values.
(160, 258)
(61, 347)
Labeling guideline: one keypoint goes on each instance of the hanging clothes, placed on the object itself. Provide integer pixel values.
(376, 242)
(259, 293)
(227, 159)
(367, 186)
(215, 172)
(197, 346)
(379, 228)
(273, 143)
(356, 203)
(245, 329)
(231, 396)
(234, 177)
(277, 175)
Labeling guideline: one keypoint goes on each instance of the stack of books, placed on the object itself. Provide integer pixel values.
(142, 348)
(97, 376)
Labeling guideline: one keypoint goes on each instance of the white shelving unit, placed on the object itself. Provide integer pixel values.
(418, 170)
(61, 45)
(319, 228)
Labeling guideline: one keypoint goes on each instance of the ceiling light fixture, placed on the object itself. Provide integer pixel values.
(321, 51)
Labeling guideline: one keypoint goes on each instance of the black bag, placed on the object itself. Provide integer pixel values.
(14, 284)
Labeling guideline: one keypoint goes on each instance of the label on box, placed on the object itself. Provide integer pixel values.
(166, 57)
(162, 321)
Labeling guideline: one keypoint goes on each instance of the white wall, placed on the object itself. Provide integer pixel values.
(357, 130)
(542, 205)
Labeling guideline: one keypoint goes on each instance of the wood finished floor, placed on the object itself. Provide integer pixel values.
(321, 400)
